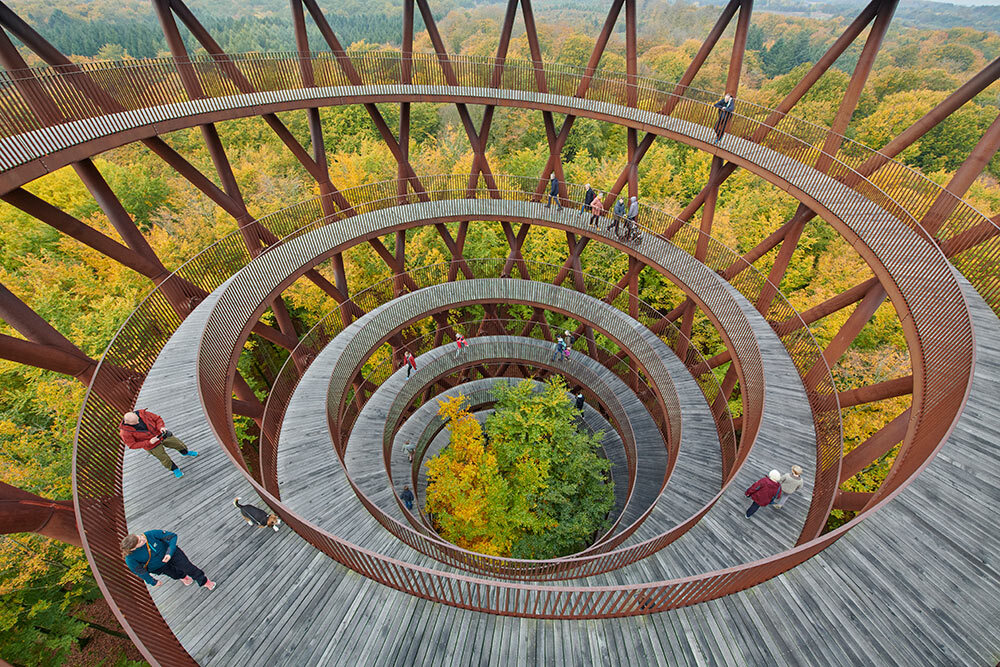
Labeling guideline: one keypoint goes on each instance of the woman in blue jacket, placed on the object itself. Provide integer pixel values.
(156, 552)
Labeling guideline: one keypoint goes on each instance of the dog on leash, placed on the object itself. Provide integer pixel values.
(254, 516)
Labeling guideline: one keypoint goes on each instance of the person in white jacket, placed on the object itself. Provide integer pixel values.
(790, 483)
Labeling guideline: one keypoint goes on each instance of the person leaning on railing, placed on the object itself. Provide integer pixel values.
(726, 107)
(143, 429)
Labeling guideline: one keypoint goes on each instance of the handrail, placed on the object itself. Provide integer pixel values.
(617, 417)
(51, 97)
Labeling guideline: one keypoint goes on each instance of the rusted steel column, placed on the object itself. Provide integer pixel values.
(24, 512)
(39, 101)
(739, 47)
(302, 44)
(114, 210)
(852, 501)
(947, 200)
(189, 78)
(48, 357)
(859, 77)
(876, 392)
(631, 54)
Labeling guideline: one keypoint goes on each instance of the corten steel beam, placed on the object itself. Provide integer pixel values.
(113, 209)
(876, 392)
(790, 100)
(352, 75)
(34, 95)
(948, 199)
(970, 238)
(859, 77)
(789, 243)
(44, 356)
(249, 233)
(852, 327)
(843, 300)
(67, 224)
(24, 512)
(852, 501)
(112, 386)
(739, 47)
(977, 84)
(229, 68)
(875, 447)
(581, 90)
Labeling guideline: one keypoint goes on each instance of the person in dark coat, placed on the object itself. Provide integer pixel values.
(407, 497)
(557, 351)
(764, 491)
(156, 552)
(143, 429)
(409, 362)
(579, 401)
(726, 106)
(588, 199)
(617, 214)
(554, 192)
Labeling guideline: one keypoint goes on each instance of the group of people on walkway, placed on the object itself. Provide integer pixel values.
(593, 203)
(774, 489)
(156, 551)
(562, 347)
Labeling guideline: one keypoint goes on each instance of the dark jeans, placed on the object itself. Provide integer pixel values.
(753, 508)
(179, 567)
(408, 369)
(594, 219)
(720, 125)
(558, 203)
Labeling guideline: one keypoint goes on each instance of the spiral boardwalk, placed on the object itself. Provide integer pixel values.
(683, 578)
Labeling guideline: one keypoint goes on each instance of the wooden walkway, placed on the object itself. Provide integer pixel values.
(917, 583)
(311, 478)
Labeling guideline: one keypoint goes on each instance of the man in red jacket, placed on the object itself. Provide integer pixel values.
(764, 491)
(143, 429)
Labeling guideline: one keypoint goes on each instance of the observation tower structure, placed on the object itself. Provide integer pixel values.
(681, 576)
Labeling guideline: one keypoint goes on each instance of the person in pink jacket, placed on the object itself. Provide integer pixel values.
(597, 210)
(764, 491)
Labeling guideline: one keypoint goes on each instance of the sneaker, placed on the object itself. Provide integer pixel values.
(275, 526)
(189, 452)
(187, 581)
(177, 473)
(210, 585)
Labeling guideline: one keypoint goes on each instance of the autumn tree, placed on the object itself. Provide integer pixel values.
(537, 490)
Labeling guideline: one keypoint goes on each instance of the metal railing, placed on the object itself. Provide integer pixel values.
(121, 94)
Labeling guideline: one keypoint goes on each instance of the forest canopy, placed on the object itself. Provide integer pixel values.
(528, 484)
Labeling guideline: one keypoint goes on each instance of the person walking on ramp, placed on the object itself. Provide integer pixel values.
(588, 198)
(409, 362)
(790, 483)
(764, 491)
(554, 192)
(597, 210)
(460, 345)
(156, 552)
(143, 429)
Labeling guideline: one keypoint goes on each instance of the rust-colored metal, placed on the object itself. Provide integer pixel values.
(46, 99)
(23, 512)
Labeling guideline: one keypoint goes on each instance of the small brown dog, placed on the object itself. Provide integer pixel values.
(254, 516)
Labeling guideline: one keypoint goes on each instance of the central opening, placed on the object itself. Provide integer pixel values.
(529, 482)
